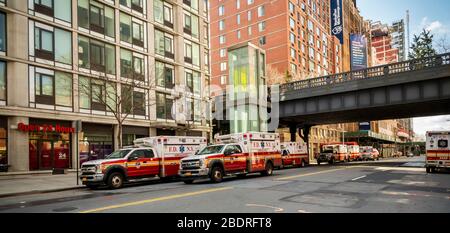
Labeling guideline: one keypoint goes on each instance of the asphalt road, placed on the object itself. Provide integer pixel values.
(397, 185)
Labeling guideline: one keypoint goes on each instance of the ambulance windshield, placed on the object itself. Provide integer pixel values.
(210, 150)
(118, 154)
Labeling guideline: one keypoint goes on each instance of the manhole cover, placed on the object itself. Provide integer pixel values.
(65, 209)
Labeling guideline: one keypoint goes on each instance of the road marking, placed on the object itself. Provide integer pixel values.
(156, 199)
(358, 178)
(400, 169)
(277, 209)
(303, 212)
(315, 173)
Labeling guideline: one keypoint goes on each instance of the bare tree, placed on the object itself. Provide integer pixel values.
(442, 45)
(120, 98)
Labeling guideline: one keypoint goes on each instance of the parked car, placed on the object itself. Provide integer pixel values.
(409, 154)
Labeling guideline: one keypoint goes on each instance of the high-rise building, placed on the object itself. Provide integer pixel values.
(397, 31)
(295, 35)
(69, 60)
(382, 43)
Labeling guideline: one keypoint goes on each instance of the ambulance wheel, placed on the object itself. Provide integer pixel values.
(188, 181)
(216, 174)
(331, 162)
(269, 169)
(115, 180)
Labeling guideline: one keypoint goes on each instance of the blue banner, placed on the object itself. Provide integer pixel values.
(358, 52)
(364, 126)
(337, 20)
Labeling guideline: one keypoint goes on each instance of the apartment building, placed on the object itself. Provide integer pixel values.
(65, 61)
(294, 34)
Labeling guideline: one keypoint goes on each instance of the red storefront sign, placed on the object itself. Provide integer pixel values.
(45, 128)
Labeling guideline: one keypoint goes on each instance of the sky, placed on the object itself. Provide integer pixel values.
(433, 15)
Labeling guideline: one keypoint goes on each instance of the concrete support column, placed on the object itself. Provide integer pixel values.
(75, 152)
(152, 132)
(18, 145)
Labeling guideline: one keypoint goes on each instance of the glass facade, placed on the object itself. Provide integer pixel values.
(246, 90)
(2, 80)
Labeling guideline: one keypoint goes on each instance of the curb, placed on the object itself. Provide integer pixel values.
(40, 191)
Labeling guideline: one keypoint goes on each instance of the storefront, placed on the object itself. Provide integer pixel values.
(96, 141)
(49, 143)
(131, 133)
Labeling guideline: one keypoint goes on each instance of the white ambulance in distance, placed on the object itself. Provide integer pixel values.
(234, 154)
(438, 150)
(294, 154)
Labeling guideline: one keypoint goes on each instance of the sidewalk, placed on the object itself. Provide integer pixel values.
(18, 184)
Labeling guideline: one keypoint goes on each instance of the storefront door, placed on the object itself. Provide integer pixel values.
(47, 154)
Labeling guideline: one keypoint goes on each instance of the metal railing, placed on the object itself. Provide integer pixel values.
(373, 72)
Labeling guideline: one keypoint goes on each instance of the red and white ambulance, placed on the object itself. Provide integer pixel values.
(353, 151)
(234, 154)
(294, 154)
(332, 153)
(149, 157)
(438, 150)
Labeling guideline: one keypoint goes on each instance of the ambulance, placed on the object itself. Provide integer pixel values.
(353, 151)
(294, 154)
(438, 150)
(148, 158)
(332, 153)
(234, 154)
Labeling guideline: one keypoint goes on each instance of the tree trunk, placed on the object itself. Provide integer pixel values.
(119, 137)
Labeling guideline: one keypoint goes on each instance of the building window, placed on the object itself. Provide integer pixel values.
(293, 53)
(249, 30)
(291, 7)
(238, 19)
(262, 26)
(223, 52)
(261, 11)
(131, 66)
(131, 30)
(222, 39)
(221, 25)
(51, 44)
(53, 89)
(43, 44)
(165, 75)
(133, 102)
(193, 81)
(249, 2)
(163, 13)
(249, 15)
(292, 37)
(239, 34)
(96, 94)
(2, 32)
(164, 44)
(223, 80)
(60, 9)
(96, 55)
(164, 106)
(3, 81)
(191, 24)
(223, 66)
(137, 5)
(291, 22)
(238, 4)
(221, 10)
(96, 17)
(192, 3)
(262, 40)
